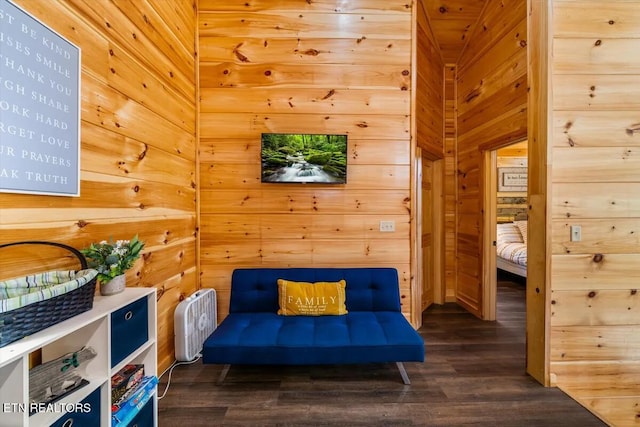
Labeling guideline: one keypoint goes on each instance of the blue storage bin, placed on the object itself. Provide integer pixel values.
(144, 418)
(129, 329)
(88, 413)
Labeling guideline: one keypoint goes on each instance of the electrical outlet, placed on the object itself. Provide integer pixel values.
(576, 233)
(387, 226)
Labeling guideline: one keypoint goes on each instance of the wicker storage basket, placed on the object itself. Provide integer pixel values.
(33, 317)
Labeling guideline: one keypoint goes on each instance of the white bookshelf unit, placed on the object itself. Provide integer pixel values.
(105, 329)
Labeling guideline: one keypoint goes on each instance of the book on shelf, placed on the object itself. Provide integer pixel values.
(123, 411)
(125, 380)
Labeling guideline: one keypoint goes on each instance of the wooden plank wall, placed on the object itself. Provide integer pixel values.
(138, 152)
(595, 308)
(491, 112)
(291, 66)
(429, 119)
(450, 182)
(429, 101)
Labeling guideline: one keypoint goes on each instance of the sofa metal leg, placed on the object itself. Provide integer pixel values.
(223, 374)
(403, 373)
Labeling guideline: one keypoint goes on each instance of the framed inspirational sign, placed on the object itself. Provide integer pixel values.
(512, 179)
(39, 107)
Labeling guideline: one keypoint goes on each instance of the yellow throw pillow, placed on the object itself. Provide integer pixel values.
(311, 299)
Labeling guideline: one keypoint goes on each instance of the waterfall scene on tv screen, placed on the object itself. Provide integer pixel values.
(304, 158)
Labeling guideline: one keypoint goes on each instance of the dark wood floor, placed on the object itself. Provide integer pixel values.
(474, 374)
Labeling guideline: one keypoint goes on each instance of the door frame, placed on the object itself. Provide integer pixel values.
(539, 135)
(438, 227)
(489, 219)
(489, 232)
(539, 110)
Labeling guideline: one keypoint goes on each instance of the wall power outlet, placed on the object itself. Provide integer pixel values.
(387, 226)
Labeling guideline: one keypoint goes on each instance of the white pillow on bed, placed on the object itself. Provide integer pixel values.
(509, 233)
(522, 226)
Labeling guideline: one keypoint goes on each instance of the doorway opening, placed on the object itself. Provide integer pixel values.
(505, 224)
(430, 225)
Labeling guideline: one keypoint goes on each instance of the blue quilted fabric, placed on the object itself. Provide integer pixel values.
(374, 330)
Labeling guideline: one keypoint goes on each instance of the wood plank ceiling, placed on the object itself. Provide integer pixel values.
(452, 21)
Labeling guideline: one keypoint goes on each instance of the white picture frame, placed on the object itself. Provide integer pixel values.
(512, 179)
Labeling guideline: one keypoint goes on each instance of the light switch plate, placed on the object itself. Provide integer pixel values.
(576, 233)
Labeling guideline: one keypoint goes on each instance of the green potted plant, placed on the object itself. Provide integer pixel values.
(111, 260)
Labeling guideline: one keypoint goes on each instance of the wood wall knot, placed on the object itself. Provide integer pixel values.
(568, 126)
(631, 130)
(592, 294)
(634, 291)
(472, 95)
(144, 152)
(598, 258)
(82, 223)
(329, 94)
(241, 57)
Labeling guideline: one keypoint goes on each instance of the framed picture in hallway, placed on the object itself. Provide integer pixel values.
(512, 179)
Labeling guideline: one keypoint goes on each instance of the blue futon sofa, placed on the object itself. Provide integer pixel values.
(373, 331)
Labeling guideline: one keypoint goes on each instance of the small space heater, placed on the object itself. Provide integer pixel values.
(194, 321)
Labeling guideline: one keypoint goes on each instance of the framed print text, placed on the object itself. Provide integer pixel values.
(512, 179)
(39, 107)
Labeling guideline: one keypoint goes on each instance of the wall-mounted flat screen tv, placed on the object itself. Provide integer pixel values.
(304, 158)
